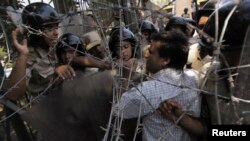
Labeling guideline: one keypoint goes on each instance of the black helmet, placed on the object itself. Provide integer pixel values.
(37, 15)
(236, 28)
(115, 38)
(69, 40)
(206, 10)
(177, 20)
(147, 25)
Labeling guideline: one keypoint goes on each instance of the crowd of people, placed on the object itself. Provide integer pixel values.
(182, 81)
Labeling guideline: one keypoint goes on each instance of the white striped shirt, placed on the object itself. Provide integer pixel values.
(146, 97)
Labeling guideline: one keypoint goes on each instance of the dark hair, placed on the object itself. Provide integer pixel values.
(174, 45)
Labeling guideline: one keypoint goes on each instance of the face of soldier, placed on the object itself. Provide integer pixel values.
(126, 50)
(67, 55)
(97, 51)
(146, 35)
(50, 34)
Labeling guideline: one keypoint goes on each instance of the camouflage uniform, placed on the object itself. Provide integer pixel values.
(40, 70)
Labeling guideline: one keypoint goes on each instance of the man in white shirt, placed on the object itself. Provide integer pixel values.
(169, 80)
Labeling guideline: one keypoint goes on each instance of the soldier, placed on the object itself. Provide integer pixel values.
(125, 48)
(147, 28)
(42, 19)
(74, 59)
(219, 109)
(68, 49)
(94, 45)
(74, 98)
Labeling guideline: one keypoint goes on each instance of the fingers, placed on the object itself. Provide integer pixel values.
(69, 73)
(166, 110)
(173, 103)
(21, 48)
(14, 36)
(25, 42)
(165, 107)
(65, 72)
(173, 107)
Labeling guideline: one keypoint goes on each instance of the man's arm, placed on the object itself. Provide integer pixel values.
(18, 72)
(136, 102)
(171, 110)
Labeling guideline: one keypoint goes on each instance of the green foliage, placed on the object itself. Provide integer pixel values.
(2, 53)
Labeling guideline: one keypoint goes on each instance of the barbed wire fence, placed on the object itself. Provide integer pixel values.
(99, 11)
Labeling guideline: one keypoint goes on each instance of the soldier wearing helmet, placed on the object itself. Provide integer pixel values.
(70, 52)
(128, 42)
(42, 20)
(124, 48)
(68, 47)
(147, 28)
(221, 109)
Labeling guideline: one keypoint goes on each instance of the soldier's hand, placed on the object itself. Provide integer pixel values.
(106, 66)
(65, 71)
(131, 63)
(170, 109)
(22, 47)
